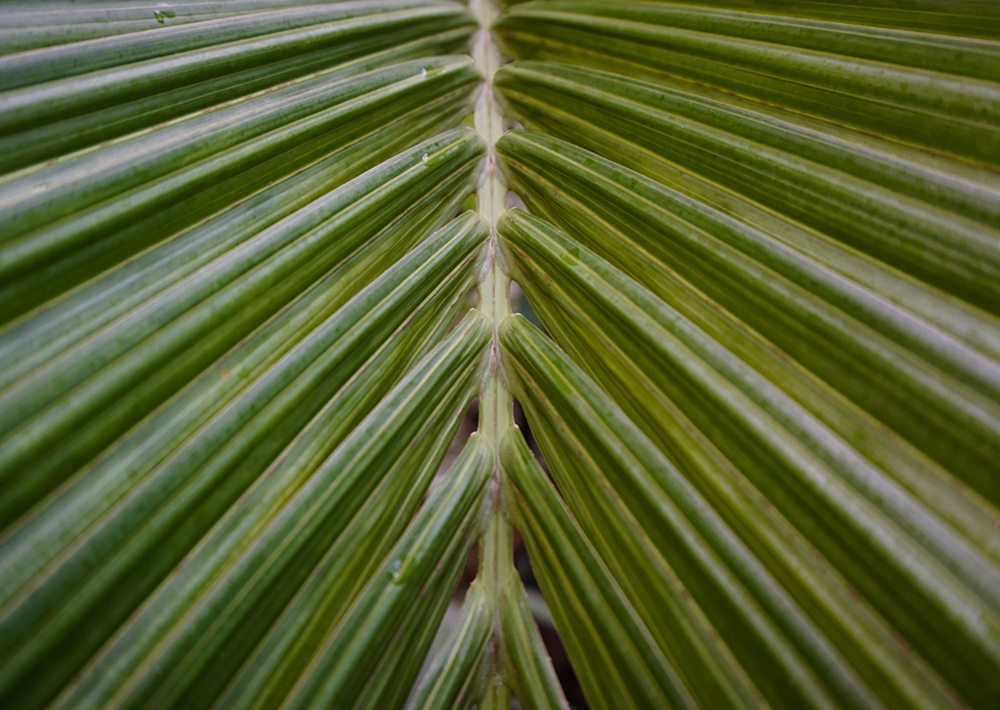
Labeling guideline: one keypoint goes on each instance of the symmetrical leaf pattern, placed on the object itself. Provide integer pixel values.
(236, 345)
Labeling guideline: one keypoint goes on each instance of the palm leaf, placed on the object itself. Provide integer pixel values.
(237, 344)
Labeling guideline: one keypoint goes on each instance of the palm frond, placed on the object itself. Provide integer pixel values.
(237, 342)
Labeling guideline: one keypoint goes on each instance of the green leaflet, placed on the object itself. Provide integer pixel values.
(935, 490)
(22, 27)
(956, 319)
(79, 130)
(956, 425)
(70, 21)
(85, 57)
(78, 448)
(243, 323)
(75, 325)
(759, 57)
(972, 18)
(660, 600)
(271, 540)
(921, 214)
(100, 620)
(884, 535)
(55, 210)
(616, 660)
(267, 676)
(224, 202)
(390, 683)
(294, 252)
(434, 548)
(607, 511)
(532, 677)
(945, 54)
(170, 481)
(866, 640)
(80, 313)
(265, 679)
(450, 682)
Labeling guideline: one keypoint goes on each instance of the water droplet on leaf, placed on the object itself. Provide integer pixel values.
(164, 14)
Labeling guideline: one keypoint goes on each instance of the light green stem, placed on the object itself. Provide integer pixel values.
(495, 402)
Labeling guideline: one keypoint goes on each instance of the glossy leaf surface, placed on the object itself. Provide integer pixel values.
(245, 311)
